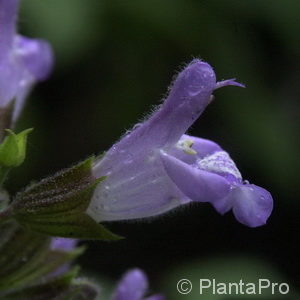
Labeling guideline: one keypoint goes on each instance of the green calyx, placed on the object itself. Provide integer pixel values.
(57, 205)
(12, 151)
(13, 148)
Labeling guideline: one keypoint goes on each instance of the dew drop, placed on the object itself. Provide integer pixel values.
(128, 159)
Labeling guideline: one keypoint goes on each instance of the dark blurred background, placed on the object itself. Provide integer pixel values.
(114, 61)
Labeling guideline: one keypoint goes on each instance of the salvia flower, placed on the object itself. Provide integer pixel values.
(23, 61)
(157, 167)
(134, 286)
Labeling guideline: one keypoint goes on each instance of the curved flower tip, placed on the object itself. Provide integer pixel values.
(133, 286)
(252, 205)
(228, 82)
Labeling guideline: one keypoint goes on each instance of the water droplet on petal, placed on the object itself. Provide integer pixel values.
(128, 159)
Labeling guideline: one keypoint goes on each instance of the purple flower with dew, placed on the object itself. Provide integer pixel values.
(134, 286)
(23, 61)
(157, 167)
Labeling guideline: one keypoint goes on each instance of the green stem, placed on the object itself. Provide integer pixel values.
(3, 174)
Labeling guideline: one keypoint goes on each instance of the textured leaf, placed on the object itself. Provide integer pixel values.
(79, 226)
(56, 205)
(26, 258)
(64, 287)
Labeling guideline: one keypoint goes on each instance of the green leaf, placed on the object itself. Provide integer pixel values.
(57, 205)
(26, 257)
(13, 148)
(79, 226)
(64, 287)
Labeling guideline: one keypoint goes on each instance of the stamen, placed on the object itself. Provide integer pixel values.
(186, 147)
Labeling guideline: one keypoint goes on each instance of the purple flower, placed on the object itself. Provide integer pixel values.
(23, 61)
(63, 244)
(133, 286)
(156, 167)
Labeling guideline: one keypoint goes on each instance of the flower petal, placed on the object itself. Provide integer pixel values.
(133, 286)
(63, 244)
(203, 147)
(36, 55)
(221, 163)
(34, 59)
(138, 190)
(190, 148)
(223, 205)
(197, 184)
(252, 205)
(9, 82)
(8, 16)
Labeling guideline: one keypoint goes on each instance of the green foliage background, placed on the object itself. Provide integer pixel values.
(114, 61)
